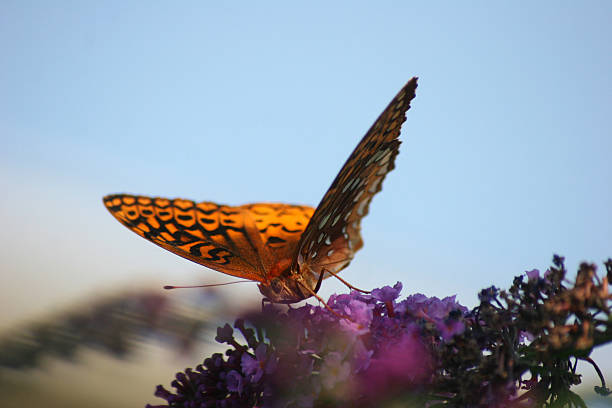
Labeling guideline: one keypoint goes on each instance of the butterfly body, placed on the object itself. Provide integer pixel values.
(288, 249)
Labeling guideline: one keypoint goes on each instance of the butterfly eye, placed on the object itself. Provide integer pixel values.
(276, 285)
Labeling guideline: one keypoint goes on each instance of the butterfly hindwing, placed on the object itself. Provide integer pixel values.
(280, 227)
(333, 234)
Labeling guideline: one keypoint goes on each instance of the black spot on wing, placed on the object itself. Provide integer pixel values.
(213, 255)
(275, 240)
(290, 231)
(230, 212)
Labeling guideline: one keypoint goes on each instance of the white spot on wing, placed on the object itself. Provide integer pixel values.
(358, 195)
(383, 170)
(375, 157)
(385, 159)
(335, 220)
(374, 185)
(347, 185)
(327, 241)
(323, 221)
(362, 207)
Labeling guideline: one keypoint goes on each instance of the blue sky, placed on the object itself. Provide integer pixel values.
(505, 157)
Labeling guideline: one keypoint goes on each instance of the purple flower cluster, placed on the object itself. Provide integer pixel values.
(375, 350)
(371, 345)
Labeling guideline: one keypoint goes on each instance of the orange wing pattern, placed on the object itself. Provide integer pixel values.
(333, 235)
(280, 227)
(245, 241)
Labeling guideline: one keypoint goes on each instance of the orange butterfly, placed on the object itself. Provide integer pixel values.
(288, 249)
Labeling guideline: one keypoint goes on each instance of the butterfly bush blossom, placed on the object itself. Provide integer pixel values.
(380, 350)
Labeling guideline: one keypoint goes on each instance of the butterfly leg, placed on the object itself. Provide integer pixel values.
(343, 281)
(320, 299)
(319, 282)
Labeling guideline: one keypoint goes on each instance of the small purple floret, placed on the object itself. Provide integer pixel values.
(255, 367)
(234, 381)
(225, 334)
(533, 274)
(387, 293)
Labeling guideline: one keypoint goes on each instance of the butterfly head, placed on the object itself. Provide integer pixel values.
(283, 290)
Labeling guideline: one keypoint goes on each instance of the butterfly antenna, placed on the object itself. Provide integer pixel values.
(203, 286)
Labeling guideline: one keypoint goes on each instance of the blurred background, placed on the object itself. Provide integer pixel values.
(505, 157)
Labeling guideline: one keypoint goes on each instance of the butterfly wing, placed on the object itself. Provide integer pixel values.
(223, 238)
(333, 235)
(280, 227)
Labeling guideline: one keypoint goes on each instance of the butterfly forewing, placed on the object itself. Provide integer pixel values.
(333, 234)
(243, 241)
